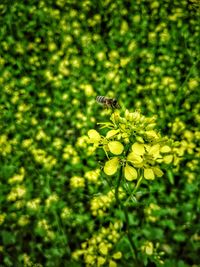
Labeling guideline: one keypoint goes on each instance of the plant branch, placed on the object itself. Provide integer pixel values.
(127, 223)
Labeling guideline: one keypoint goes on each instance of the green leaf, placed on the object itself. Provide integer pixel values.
(170, 176)
(180, 237)
(8, 238)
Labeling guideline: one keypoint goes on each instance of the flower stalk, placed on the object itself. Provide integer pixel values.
(127, 223)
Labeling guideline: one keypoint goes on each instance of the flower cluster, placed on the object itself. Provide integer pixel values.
(100, 204)
(150, 250)
(98, 250)
(133, 143)
(151, 212)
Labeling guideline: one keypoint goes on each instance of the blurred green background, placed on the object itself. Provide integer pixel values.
(55, 58)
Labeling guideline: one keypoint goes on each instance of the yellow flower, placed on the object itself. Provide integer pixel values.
(117, 255)
(153, 151)
(144, 156)
(148, 248)
(103, 248)
(100, 261)
(112, 263)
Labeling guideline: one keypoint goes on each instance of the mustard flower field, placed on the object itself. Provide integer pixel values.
(99, 133)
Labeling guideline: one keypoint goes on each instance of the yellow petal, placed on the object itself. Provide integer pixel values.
(111, 133)
(94, 135)
(152, 134)
(158, 172)
(168, 159)
(150, 126)
(100, 261)
(154, 150)
(165, 149)
(111, 166)
(138, 149)
(103, 249)
(130, 173)
(134, 159)
(117, 255)
(112, 263)
(149, 248)
(139, 139)
(115, 147)
(149, 174)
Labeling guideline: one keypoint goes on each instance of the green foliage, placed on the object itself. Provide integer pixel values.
(57, 206)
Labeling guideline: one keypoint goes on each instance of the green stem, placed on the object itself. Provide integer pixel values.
(138, 184)
(131, 195)
(127, 223)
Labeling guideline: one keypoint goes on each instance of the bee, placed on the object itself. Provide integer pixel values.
(108, 102)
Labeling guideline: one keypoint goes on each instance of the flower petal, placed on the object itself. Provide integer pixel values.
(111, 133)
(165, 149)
(130, 173)
(134, 159)
(149, 248)
(138, 149)
(117, 255)
(151, 134)
(115, 147)
(158, 172)
(168, 159)
(154, 150)
(111, 166)
(94, 136)
(149, 174)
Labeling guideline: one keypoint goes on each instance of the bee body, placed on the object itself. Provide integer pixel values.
(108, 102)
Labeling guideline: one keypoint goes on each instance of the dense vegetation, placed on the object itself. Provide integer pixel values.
(61, 202)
